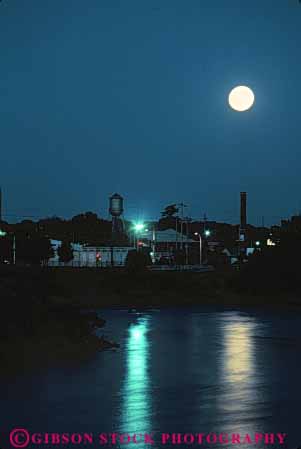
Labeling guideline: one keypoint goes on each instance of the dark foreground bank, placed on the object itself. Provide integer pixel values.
(97, 288)
(44, 312)
(34, 329)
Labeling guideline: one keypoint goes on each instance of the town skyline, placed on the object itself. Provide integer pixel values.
(140, 214)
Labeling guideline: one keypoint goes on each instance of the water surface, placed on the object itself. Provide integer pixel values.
(177, 370)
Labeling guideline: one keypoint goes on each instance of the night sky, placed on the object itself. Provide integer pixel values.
(98, 96)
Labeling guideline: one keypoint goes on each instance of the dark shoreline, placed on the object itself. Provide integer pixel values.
(45, 319)
(35, 330)
(94, 288)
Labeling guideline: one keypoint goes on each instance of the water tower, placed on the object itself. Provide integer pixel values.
(116, 211)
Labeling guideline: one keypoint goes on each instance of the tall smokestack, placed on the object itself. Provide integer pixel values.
(243, 210)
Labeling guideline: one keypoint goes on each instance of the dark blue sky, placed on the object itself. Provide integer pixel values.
(99, 96)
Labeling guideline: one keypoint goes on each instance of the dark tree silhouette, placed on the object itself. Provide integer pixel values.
(169, 217)
(5, 249)
(170, 211)
(137, 261)
(274, 269)
(45, 251)
(89, 228)
(33, 249)
(65, 252)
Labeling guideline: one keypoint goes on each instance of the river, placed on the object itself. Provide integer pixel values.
(190, 371)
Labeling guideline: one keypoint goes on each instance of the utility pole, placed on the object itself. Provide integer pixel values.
(14, 249)
(200, 240)
(182, 205)
(154, 244)
(112, 255)
(182, 217)
(205, 223)
(188, 220)
(176, 233)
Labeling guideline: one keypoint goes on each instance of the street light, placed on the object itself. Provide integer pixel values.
(2, 233)
(207, 233)
(200, 238)
(138, 227)
(270, 242)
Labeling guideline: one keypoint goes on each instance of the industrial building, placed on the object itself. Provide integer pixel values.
(165, 244)
(91, 256)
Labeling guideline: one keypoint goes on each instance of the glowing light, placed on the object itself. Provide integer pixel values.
(241, 98)
(136, 394)
(207, 233)
(2, 233)
(139, 227)
(270, 242)
(237, 368)
(238, 355)
(136, 333)
(257, 243)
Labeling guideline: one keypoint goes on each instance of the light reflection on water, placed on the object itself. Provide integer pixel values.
(238, 357)
(136, 395)
(237, 370)
(188, 370)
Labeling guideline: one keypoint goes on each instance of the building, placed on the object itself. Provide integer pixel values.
(165, 244)
(91, 256)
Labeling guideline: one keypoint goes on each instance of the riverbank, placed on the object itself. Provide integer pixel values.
(44, 310)
(100, 288)
(35, 330)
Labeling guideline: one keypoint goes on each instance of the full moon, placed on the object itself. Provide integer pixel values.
(241, 98)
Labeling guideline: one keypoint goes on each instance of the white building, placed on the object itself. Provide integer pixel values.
(91, 256)
(165, 237)
(164, 244)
